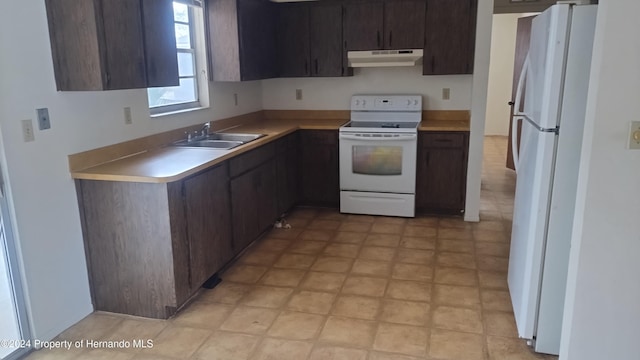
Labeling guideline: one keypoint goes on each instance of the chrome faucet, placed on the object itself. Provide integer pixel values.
(205, 129)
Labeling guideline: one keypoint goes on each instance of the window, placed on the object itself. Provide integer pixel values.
(189, 33)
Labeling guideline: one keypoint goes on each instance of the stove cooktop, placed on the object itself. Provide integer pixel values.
(382, 125)
(384, 113)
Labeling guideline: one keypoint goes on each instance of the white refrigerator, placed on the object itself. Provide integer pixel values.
(553, 86)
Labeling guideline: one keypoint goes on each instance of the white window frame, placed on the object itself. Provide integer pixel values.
(198, 49)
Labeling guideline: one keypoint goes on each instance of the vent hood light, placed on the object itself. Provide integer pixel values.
(381, 58)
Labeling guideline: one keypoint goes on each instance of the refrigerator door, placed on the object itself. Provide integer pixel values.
(563, 195)
(544, 86)
(546, 63)
(529, 224)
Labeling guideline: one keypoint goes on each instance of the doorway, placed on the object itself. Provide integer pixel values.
(14, 331)
(509, 46)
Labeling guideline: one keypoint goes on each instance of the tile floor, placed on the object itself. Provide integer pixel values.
(350, 287)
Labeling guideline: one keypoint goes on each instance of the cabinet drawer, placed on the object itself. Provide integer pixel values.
(325, 137)
(251, 159)
(442, 140)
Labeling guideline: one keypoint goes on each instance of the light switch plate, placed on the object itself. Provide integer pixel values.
(634, 135)
(44, 122)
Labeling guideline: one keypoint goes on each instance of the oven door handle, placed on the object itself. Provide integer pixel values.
(399, 137)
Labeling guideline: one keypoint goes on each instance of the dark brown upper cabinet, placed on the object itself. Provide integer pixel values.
(112, 44)
(450, 37)
(391, 24)
(293, 40)
(404, 24)
(242, 40)
(325, 27)
(363, 22)
(309, 39)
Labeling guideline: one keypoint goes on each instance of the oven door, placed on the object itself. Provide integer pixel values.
(378, 162)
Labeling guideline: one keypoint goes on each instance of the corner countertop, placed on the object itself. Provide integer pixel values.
(168, 163)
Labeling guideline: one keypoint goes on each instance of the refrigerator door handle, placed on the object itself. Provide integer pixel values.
(517, 114)
(514, 142)
(523, 75)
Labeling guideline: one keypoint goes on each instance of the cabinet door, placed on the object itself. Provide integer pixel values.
(320, 184)
(244, 212)
(404, 24)
(123, 44)
(266, 191)
(450, 37)
(363, 22)
(208, 209)
(287, 174)
(160, 43)
(293, 40)
(326, 40)
(441, 172)
(257, 37)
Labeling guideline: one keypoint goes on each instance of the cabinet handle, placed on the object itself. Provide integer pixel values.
(316, 65)
(444, 140)
(378, 37)
(390, 38)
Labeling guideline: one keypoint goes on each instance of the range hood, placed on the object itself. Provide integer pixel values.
(380, 58)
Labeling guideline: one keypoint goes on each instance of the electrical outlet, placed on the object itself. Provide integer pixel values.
(27, 130)
(235, 99)
(634, 135)
(43, 119)
(127, 116)
(298, 94)
(446, 93)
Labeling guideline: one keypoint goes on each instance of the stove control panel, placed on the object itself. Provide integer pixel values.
(386, 103)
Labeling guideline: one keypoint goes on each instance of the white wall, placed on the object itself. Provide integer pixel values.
(478, 109)
(503, 48)
(602, 310)
(335, 93)
(46, 219)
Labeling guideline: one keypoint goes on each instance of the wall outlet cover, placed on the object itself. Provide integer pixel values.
(27, 130)
(127, 116)
(44, 122)
(446, 93)
(298, 94)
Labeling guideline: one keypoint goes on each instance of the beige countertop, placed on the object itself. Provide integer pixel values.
(168, 163)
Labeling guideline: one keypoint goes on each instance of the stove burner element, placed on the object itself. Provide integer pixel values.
(390, 125)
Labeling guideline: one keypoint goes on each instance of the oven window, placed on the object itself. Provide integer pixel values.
(377, 160)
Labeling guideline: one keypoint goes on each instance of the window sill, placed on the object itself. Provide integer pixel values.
(177, 112)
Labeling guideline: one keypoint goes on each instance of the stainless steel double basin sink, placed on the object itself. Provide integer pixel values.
(222, 141)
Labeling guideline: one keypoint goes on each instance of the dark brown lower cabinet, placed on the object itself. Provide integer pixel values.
(442, 172)
(208, 215)
(287, 172)
(253, 190)
(319, 168)
(149, 246)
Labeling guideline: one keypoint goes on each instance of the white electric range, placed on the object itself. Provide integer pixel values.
(378, 150)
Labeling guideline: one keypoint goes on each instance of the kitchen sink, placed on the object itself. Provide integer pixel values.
(244, 138)
(223, 141)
